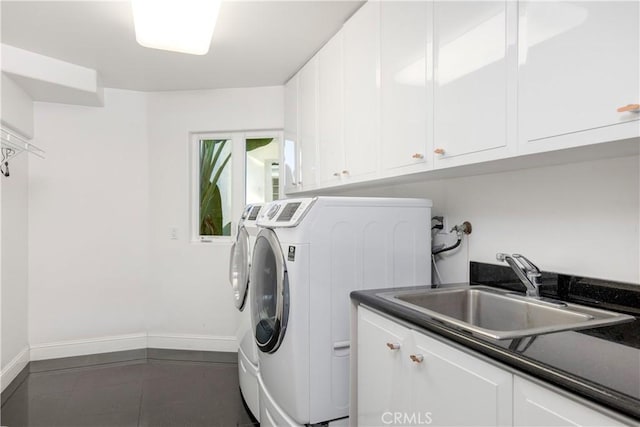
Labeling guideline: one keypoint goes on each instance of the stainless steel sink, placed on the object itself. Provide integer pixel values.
(501, 314)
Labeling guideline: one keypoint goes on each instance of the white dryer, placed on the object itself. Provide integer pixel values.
(309, 255)
(239, 274)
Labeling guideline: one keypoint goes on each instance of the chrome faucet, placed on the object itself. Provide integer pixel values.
(526, 271)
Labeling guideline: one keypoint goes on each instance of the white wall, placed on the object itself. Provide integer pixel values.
(16, 112)
(89, 227)
(190, 301)
(104, 273)
(14, 269)
(580, 218)
(16, 108)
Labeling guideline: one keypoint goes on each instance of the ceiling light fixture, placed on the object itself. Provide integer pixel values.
(176, 25)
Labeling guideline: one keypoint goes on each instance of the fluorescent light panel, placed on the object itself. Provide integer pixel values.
(177, 25)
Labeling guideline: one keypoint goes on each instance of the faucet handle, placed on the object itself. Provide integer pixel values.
(501, 257)
(528, 265)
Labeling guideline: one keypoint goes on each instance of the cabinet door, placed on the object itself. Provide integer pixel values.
(578, 62)
(475, 77)
(307, 122)
(383, 386)
(361, 95)
(534, 405)
(330, 111)
(405, 57)
(290, 141)
(447, 379)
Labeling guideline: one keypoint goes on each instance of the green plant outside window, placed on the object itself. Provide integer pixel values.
(215, 202)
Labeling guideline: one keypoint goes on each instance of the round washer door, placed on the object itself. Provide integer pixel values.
(239, 268)
(269, 292)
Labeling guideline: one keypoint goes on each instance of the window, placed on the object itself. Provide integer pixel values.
(262, 167)
(228, 171)
(214, 209)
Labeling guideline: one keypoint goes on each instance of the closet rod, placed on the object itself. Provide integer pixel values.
(19, 144)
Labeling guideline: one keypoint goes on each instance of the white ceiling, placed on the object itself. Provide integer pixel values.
(256, 43)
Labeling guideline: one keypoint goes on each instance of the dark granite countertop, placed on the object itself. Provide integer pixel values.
(601, 364)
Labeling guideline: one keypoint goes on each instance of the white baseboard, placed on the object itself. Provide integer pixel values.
(55, 350)
(193, 342)
(11, 370)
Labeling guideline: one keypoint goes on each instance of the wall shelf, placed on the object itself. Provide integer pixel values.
(17, 145)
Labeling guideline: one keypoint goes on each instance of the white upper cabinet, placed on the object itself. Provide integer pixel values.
(290, 143)
(331, 111)
(361, 94)
(412, 86)
(307, 123)
(578, 63)
(406, 64)
(475, 67)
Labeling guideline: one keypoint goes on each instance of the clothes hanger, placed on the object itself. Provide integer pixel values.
(7, 153)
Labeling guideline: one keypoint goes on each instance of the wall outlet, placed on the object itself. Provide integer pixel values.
(173, 233)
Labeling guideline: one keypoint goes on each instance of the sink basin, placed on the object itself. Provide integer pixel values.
(501, 314)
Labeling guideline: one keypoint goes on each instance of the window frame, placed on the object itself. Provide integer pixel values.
(238, 177)
(195, 139)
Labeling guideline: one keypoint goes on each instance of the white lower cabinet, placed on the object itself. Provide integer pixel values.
(383, 380)
(535, 405)
(446, 379)
(405, 377)
(408, 378)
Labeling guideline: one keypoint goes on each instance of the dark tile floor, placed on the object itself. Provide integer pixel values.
(150, 393)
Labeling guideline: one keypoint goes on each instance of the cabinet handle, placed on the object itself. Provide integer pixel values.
(345, 172)
(418, 156)
(417, 358)
(630, 107)
(393, 346)
(336, 174)
(439, 151)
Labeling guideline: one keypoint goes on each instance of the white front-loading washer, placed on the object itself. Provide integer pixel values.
(270, 413)
(239, 275)
(309, 255)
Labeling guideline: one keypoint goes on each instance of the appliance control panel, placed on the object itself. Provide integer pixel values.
(255, 210)
(251, 213)
(246, 211)
(284, 213)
